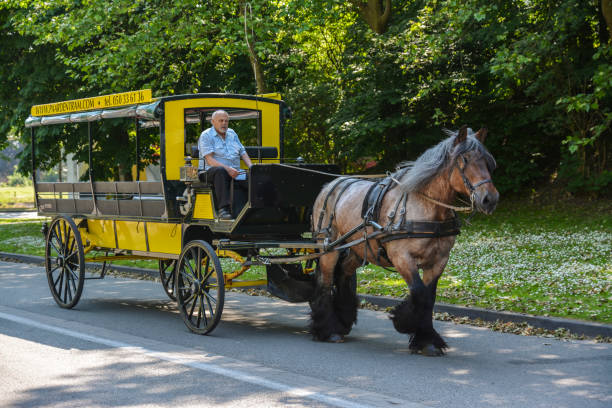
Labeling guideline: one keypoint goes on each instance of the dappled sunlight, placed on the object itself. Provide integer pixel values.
(372, 336)
(548, 356)
(452, 333)
(573, 382)
(457, 381)
(453, 371)
(592, 395)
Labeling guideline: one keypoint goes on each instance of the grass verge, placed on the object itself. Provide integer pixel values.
(16, 197)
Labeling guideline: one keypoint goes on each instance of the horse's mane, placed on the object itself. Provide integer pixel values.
(437, 158)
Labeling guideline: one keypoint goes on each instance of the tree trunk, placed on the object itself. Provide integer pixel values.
(376, 13)
(606, 10)
(257, 70)
(255, 64)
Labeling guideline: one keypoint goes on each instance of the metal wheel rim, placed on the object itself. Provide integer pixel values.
(199, 287)
(167, 268)
(64, 262)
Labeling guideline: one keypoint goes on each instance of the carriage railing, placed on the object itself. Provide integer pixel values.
(121, 198)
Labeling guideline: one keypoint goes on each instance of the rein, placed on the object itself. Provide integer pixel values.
(452, 207)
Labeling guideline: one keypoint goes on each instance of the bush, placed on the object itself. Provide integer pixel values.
(17, 179)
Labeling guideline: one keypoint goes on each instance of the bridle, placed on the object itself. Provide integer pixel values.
(466, 182)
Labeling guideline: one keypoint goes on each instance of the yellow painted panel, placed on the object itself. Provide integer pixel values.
(100, 233)
(270, 129)
(164, 238)
(131, 235)
(273, 95)
(96, 102)
(175, 125)
(203, 207)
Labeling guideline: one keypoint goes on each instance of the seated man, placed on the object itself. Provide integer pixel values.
(220, 154)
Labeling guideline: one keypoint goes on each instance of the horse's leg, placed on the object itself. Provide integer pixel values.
(426, 339)
(345, 298)
(324, 324)
(415, 314)
(407, 316)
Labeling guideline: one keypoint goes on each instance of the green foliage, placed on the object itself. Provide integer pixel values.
(18, 180)
(536, 73)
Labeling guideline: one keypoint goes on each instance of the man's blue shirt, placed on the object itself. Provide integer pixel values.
(226, 151)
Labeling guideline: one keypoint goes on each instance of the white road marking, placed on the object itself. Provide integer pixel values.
(199, 362)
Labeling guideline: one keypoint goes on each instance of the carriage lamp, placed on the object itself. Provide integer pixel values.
(189, 173)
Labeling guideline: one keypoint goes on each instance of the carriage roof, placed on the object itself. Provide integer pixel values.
(134, 104)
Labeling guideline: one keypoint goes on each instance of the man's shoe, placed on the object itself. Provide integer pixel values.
(224, 214)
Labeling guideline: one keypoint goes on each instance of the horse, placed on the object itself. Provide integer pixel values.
(405, 221)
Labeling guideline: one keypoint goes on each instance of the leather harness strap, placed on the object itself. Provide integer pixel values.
(370, 214)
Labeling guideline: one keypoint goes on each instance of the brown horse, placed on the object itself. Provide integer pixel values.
(405, 222)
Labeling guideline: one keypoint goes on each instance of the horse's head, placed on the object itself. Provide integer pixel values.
(471, 167)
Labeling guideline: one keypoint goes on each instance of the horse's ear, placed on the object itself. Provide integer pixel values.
(481, 134)
(462, 135)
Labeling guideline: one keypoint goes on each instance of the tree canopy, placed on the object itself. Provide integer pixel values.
(369, 81)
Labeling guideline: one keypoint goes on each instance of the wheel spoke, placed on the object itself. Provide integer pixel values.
(205, 279)
(210, 298)
(204, 310)
(195, 300)
(190, 298)
(58, 233)
(210, 307)
(208, 270)
(71, 243)
(66, 237)
(71, 255)
(166, 281)
(73, 277)
(198, 263)
(187, 277)
(53, 244)
(65, 284)
(61, 282)
(69, 282)
(59, 275)
(62, 237)
(188, 263)
(199, 311)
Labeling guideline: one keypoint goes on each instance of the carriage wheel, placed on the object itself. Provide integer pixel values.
(65, 262)
(199, 287)
(167, 267)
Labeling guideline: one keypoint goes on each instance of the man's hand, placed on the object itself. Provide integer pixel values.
(232, 172)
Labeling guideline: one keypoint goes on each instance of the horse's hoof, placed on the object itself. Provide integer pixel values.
(336, 338)
(431, 351)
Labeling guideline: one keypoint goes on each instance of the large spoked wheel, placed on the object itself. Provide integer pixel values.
(65, 262)
(167, 269)
(199, 287)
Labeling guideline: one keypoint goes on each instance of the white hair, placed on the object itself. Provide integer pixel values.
(217, 113)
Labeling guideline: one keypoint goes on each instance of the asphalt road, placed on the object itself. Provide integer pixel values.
(125, 344)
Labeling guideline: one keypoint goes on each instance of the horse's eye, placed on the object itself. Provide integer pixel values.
(465, 161)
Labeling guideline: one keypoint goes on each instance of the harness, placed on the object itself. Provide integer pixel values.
(392, 230)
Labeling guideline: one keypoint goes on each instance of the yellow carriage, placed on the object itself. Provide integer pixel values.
(165, 213)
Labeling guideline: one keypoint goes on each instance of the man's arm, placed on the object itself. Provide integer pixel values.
(212, 162)
(246, 159)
